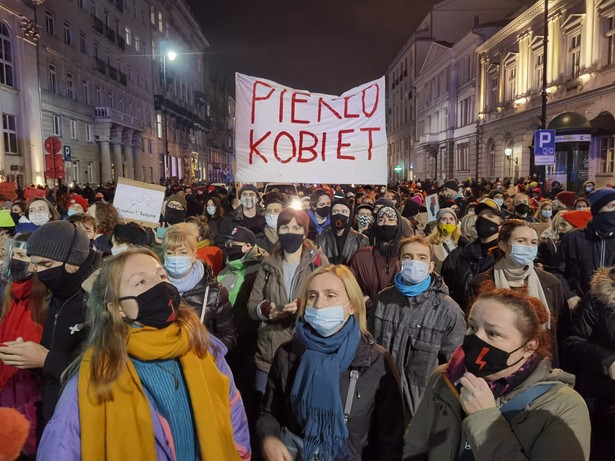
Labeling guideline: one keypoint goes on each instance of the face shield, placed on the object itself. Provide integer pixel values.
(16, 263)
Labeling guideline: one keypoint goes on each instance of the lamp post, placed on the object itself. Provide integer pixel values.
(508, 152)
(170, 55)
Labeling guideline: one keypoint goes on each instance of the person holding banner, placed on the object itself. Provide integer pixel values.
(249, 214)
(319, 212)
(278, 286)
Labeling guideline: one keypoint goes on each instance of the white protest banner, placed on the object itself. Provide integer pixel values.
(433, 206)
(287, 135)
(139, 202)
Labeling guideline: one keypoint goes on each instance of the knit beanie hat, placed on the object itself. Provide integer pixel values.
(578, 218)
(342, 201)
(60, 241)
(247, 187)
(384, 202)
(179, 199)
(567, 198)
(79, 200)
(444, 211)
(451, 185)
(599, 198)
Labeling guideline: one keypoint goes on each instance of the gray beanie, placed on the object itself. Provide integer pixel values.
(53, 241)
(444, 211)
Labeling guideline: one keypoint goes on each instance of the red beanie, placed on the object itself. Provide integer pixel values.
(13, 433)
(567, 198)
(79, 200)
(578, 218)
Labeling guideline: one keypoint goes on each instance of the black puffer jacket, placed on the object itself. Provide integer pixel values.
(591, 345)
(580, 253)
(376, 423)
(461, 266)
(420, 332)
(218, 311)
(353, 242)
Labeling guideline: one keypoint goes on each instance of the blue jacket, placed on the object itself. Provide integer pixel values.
(62, 436)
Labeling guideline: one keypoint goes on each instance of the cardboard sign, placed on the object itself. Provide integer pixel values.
(287, 135)
(8, 190)
(33, 192)
(433, 206)
(139, 202)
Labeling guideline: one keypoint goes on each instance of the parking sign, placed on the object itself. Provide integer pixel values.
(544, 147)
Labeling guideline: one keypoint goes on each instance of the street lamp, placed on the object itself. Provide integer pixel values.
(170, 54)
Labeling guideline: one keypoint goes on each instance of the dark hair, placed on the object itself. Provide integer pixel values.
(219, 210)
(581, 199)
(107, 217)
(506, 231)
(316, 195)
(201, 223)
(302, 218)
(131, 233)
(415, 239)
(532, 315)
(83, 218)
(21, 204)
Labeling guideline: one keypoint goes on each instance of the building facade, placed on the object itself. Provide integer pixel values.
(580, 71)
(220, 139)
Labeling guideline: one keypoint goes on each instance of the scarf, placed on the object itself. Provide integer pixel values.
(455, 369)
(315, 395)
(411, 290)
(18, 322)
(191, 279)
(203, 244)
(239, 271)
(319, 227)
(122, 428)
(507, 274)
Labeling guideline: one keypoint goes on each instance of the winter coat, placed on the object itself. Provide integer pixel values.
(328, 244)
(376, 422)
(557, 305)
(591, 344)
(269, 285)
(373, 271)
(461, 266)
(218, 312)
(420, 332)
(245, 327)
(63, 334)
(555, 426)
(236, 218)
(214, 228)
(442, 251)
(62, 437)
(580, 253)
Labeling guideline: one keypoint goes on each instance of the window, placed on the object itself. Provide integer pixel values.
(575, 54)
(49, 23)
(53, 79)
(137, 44)
(99, 101)
(110, 95)
(85, 86)
(83, 44)
(511, 83)
(121, 104)
(93, 8)
(128, 36)
(539, 61)
(152, 15)
(96, 50)
(73, 129)
(6, 57)
(493, 91)
(88, 132)
(9, 127)
(75, 174)
(607, 154)
(90, 172)
(160, 22)
(56, 125)
(463, 157)
(70, 89)
(159, 125)
(610, 40)
(68, 34)
(80, 3)
(491, 148)
(149, 146)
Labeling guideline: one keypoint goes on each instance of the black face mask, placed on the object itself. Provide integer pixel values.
(61, 284)
(385, 233)
(339, 221)
(15, 217)
(604, 222)
(485, 228)
(324, 211)
(173, 216)
(522, 209)
(18, 270)
(482, 359)
(157, 306)
(233, 253)
(290, 242)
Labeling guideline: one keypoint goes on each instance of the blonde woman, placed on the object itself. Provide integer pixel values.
(544, 213)
(446, 236)
(150, 378)
(332, 389)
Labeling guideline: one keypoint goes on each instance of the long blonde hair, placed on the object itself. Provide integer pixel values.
(436, 237)
(353, 290)
(108, 336)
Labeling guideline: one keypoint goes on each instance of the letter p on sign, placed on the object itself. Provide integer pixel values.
(544, 147)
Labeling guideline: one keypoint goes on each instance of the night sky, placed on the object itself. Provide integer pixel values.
(325, 46)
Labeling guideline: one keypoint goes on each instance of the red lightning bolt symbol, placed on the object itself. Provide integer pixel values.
(479, 359)
(172, 316)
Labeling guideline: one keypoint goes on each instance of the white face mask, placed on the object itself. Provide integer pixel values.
(211, 210)
(39, 218)
(248, 202)
(271, 220)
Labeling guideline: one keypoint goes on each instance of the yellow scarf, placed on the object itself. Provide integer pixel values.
(203, 244)
(122, 428)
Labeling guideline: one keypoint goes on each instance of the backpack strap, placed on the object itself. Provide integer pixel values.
(517, 404)
(352, 387)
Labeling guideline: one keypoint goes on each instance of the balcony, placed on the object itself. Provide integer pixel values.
(123, 78)
(101, 66)
(113, 73)
(183, 113)
(431, 138)
(98, 25)
(110, 34)
(110, 115)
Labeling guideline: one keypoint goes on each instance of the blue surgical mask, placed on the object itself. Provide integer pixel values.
(499, 201)
(177, 266)
(271, 220)
(211, 210)
(547, 213)
(413, 271)
(325, 321)
(71, 212)
(523, 255)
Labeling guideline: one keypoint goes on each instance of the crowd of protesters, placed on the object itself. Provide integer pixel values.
(338, 324)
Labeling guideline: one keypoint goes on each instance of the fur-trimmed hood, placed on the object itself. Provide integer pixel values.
(603, 286)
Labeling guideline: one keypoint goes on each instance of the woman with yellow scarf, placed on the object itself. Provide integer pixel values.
(151, 384)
